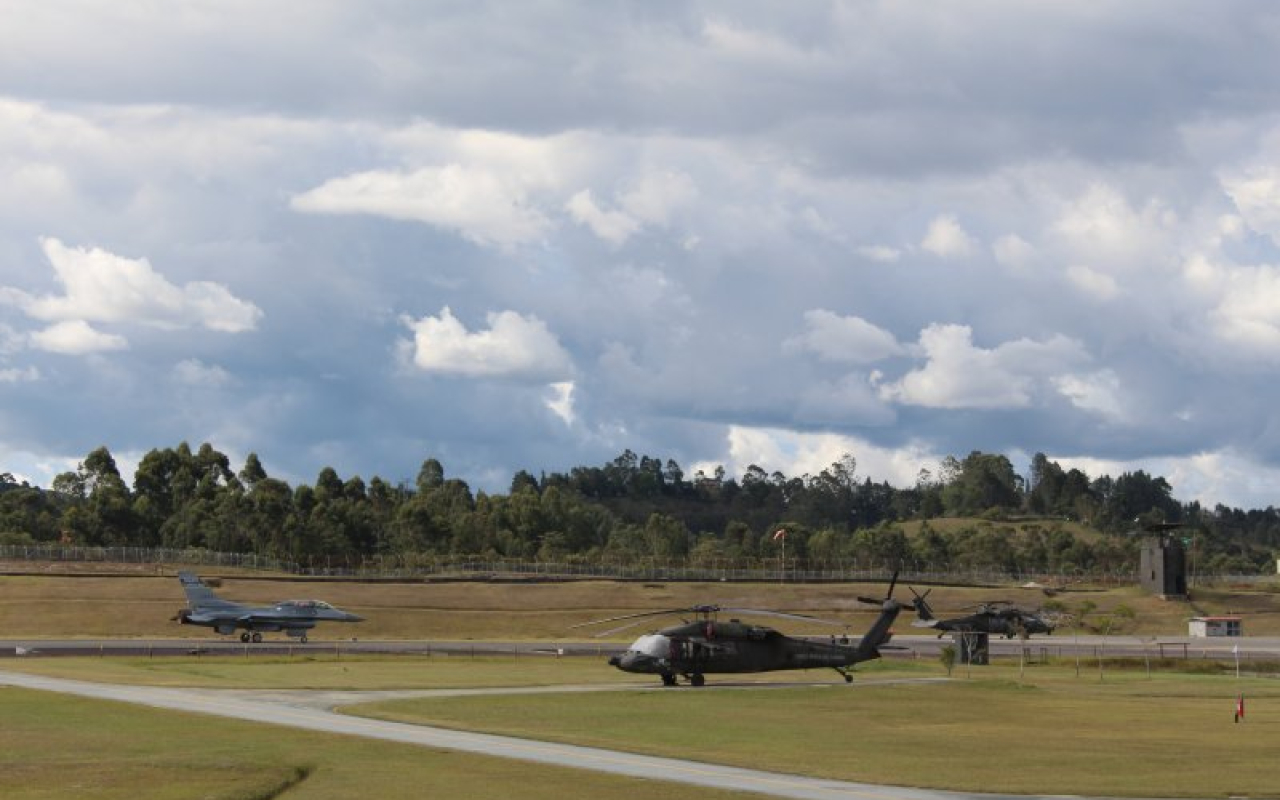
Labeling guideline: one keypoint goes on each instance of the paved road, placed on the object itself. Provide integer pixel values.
(299, 710)
(1250, 647)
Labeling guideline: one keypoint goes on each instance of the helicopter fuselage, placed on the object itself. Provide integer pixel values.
(698, 648)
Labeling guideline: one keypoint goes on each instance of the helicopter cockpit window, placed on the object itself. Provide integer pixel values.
(655, 645)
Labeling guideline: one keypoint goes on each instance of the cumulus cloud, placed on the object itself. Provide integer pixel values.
(561, 400)
(483, 205)
(1102, 227)
(513, 346)
(850, 339)
(795, 454)
(1098, 285)
(1256, 194)
(76, 338)
(1207, 476)
(106, 288)
(651, 200)
(1012, 251)
(614, 227)
(880, 252)
(658, 195)
(946, 239)
(1097, 392)
(959, 375)
(1242, 304)
(1249, 310)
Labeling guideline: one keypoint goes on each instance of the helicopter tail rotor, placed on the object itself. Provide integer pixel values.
(923, 611)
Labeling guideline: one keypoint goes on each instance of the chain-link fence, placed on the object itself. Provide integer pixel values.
(415, 566)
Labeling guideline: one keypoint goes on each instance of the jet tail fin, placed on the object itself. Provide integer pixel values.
(199, 595)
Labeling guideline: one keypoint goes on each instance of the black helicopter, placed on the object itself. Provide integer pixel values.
(705, 645)
(998, 617)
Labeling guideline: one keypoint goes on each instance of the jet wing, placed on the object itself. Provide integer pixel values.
(207, 618)
(258, 617)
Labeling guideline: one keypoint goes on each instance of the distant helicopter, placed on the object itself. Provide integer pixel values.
(706, 645)
(998, 617)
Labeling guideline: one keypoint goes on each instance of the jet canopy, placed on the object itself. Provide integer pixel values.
(304, 605)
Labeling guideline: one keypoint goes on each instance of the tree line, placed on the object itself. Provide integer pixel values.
(632, 509)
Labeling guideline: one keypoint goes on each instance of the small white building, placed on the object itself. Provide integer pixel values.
(1215, 626)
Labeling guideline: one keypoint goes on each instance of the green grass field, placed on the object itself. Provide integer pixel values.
(353, 673)
(55, 746)
(1051, 733)
(1049, 730)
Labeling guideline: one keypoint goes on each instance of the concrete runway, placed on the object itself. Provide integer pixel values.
(315, 711)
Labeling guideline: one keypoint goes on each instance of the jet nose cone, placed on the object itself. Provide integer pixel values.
(354, 617)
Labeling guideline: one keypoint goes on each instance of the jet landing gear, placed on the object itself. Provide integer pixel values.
(255, 637)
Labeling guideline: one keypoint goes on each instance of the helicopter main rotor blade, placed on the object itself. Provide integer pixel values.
(784, 615)
(618, 629)
(639, 615)
(888, 598)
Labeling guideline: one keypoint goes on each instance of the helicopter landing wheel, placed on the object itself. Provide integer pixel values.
(696, 679)
(668, 679)
(848, 678)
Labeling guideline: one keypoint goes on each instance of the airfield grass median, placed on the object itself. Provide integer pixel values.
(55, 746)
(350, 673)
(1049, 732)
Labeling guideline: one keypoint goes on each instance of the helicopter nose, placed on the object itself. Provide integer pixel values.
(615, 661)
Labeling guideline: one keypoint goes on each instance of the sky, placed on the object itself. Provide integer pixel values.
(532, 235)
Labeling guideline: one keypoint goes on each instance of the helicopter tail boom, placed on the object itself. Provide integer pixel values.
(880, 633)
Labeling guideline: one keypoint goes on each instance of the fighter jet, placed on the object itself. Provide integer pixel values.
(294, 617)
